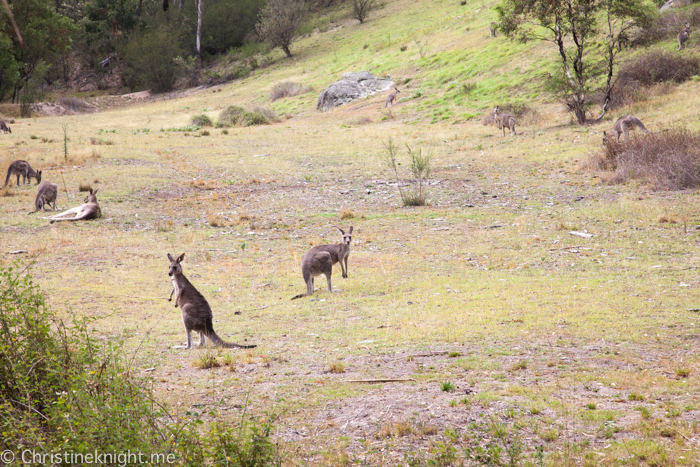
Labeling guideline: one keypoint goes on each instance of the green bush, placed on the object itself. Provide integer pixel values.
(230, 116)
(63, 390)
(151, 61)
(201, 121)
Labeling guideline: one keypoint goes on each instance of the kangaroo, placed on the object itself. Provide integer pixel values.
(196, 312)
(25, 170)
(89, 210)
(47, 192)
(623, 125)
(493, 29)
(390, 98)
(683, 36)
(320, 260)
(504, 120)
(5, 128)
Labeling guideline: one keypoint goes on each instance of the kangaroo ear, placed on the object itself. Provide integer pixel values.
(341, 230)
(350, 230)
(180, 258)
(170, 257)
(94, 192)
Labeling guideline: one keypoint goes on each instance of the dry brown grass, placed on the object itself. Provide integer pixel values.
(667, 161)
(288, 89)
(336, 367)
(346, 214)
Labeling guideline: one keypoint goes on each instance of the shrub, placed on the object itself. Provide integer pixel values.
(230, 116)
(420, 169)
(288, 89)
(668, 161)
(659, 66)
(279, 21)
(201, 121)
(74, 104)
(151, 61)
(65, 391)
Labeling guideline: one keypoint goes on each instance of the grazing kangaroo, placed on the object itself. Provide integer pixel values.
(5, 128)
(390, 98)
(622, 126)
(320, 260)
(25, 170)
(504, 120)
(493, 29)
(683, 36)
(196, 312)
(47, 193)
(89, 210)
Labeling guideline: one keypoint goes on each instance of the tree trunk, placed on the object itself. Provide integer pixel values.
(138, 9)
(200, 10)
(182, 2)
(287, 51)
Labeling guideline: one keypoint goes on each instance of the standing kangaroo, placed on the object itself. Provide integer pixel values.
(25, 170)
(5, 128)
(320, 260)
(390, 98)
(493, 29)
(47, 193)
(622, 126)
(504, 120)
(89, 210)
(683, 36)
(196, 312)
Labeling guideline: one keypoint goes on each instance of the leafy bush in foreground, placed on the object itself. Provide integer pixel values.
(62, 390)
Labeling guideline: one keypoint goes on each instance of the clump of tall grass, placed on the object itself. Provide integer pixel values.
(288, 89)
(667, 161)
(420, 169)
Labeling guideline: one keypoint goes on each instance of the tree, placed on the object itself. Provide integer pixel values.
(46, 36)
(573, 26)
(279, 21)
(360, 9)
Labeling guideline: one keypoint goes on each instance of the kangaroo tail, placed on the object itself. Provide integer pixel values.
(227, 345)
(298, 296)
(7, 179)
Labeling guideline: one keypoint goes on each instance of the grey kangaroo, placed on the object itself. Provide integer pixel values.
(46, 194)
(89, 210)
(390, 98)
(25, 170)
(504, 120)
(622, 126)
(196, 312)
(493, 28)
(320, 260)
(683, 36)
(5, 128)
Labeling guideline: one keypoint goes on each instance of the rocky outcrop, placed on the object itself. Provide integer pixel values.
(352, 86)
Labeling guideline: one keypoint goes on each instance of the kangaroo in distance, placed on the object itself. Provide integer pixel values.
(47, 193)
(89, 210)
(320, 260)
(390, 98)
(5, 128)
(622, 126)
(504, 120)
(683, 36)
(25, 170)
(493, 29)
(196, 312)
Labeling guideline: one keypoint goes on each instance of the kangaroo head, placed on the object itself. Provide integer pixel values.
(347, 237)
(496, 109)
(9, 129)
(38, 175)
(175, 266)
(90, 198)
(396, 89)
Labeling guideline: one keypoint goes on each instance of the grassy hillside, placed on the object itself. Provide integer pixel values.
(560, 350)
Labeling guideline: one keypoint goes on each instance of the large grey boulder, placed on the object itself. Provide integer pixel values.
(351, 86)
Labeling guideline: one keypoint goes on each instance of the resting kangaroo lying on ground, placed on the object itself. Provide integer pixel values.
(196, 312)
(320, 260)
(47, 193)
(25, 170)
(622, 126)
(84, 212)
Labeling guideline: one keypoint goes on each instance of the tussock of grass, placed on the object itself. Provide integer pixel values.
(336, 367)
(84, 186)
(288, 89)
(668, 161)
(206, 360)
(100, 141)
(346, 214)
